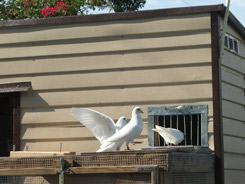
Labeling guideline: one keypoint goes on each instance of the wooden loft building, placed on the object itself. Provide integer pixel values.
(159, 60)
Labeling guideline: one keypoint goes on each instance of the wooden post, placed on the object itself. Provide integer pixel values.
(64, 170)
(61, 178)
(16, 120)
(217, 100)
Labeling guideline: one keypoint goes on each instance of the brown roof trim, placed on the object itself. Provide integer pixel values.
(112, 16)
(217, 100)
(15, 87)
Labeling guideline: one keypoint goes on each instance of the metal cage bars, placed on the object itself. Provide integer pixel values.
(201, 111)
(171, 125)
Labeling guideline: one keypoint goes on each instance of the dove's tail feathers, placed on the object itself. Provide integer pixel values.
(109, 146)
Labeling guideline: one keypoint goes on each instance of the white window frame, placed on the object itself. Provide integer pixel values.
(233, 42)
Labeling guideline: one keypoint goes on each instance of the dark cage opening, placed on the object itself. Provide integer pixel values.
(189, 124)
(191, 120)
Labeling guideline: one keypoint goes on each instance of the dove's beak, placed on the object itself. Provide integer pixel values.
(127, 120)
(155, 130)
(141, 111)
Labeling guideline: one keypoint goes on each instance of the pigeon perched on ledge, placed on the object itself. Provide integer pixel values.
(170, 135)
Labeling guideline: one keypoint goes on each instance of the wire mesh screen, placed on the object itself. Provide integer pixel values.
(189, 124)
(191, 168)
(29, 162)
(128, 159)
(29, 180)
(183, 165)
(192, 178)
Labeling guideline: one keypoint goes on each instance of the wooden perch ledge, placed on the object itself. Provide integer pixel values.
(15, 87)
(35, 153)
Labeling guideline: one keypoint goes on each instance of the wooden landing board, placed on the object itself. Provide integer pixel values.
(32, 153)
(76, 170)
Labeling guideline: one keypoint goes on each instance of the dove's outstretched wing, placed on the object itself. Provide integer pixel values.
(101, 125)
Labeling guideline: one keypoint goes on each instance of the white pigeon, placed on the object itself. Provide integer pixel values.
(170, 135)
(101, 125)
(127, 134)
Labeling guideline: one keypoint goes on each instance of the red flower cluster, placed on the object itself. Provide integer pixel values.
(59, 8)
(48, 12)
(28, 3)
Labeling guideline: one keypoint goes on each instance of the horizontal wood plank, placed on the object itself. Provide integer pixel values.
(234, 176)
(233, 77)
(94, 170)
(80, 146)
(234, 62)
(28, 172)
(38, 154)
(103, 62)
(233, 161)
(61, 131)
(120, 78)
(107, 46)
(234, 144)
(231, 30)
(233, 111)
(105, 29)
(233, 127)
(63, 115)
(233, 93)
(113, 96)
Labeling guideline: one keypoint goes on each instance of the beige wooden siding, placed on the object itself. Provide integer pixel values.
(110, 67)
(233, 94)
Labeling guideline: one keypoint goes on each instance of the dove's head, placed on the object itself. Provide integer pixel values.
(137, 110)
(122, 121)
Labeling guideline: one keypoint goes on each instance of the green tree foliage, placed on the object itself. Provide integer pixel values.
(127, 5)
(28, 9)
(119, 5)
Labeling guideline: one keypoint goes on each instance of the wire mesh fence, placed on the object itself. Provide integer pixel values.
(118, 178)
(180, 167)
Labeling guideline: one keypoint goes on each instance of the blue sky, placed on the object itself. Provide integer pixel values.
(237, 7)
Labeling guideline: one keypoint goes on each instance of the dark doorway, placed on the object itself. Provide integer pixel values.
(6, 124)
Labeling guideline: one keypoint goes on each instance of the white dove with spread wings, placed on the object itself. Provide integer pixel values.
(127, 134)
(101, 125)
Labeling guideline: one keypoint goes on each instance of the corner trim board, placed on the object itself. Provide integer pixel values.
(217, 100)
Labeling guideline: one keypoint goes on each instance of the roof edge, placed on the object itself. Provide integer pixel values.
(112, 16)
(236, 24)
